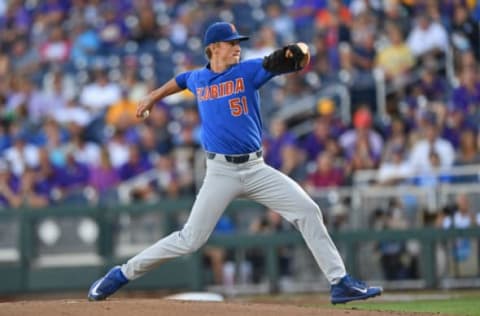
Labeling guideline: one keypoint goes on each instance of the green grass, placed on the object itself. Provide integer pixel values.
(459, 302)
(454, 306)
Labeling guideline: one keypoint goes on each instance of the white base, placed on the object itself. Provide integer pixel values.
(196, 296)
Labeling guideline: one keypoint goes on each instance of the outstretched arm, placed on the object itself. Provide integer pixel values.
(146, 104)
(290, 58)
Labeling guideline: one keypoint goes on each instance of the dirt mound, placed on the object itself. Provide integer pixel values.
(159, 307)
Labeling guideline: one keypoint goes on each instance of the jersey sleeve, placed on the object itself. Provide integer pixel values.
(182, 79)
(259, 74)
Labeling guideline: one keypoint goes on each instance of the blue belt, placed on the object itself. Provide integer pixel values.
(237, 158)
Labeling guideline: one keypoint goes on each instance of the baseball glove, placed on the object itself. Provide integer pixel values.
(287, 59)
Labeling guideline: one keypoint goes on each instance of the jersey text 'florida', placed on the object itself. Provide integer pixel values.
(220, 90)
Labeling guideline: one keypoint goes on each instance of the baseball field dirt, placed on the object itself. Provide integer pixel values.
(159, 307)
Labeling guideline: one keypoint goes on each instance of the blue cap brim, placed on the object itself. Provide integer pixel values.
(236, 38)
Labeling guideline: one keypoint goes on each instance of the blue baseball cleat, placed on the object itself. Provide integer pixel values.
(107, 285)
(351, 289)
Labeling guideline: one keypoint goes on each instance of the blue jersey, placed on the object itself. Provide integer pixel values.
(229, 105)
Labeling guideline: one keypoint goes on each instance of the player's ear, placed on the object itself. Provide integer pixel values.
(214, 47)
(208, 52)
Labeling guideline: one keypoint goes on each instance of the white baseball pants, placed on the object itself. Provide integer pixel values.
(255, 180)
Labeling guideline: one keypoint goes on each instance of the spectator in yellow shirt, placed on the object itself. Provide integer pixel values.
(122, 113)
(396, 59)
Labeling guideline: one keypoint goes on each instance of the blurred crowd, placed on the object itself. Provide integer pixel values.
(72, 72)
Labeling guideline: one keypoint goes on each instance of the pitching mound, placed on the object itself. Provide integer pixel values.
(158, 307)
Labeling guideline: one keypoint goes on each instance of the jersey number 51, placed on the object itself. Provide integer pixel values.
(238, 106)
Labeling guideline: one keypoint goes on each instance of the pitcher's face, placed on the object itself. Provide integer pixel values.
(229, 52)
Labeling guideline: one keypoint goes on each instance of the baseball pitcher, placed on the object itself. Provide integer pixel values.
(228, 100)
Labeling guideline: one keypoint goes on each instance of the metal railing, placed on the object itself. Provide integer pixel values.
(366, 177)
(364, 196)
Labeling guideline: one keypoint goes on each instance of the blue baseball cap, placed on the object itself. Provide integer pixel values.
(222, 32)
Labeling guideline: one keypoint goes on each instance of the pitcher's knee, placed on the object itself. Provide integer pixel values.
(193, 239)
(312, 210)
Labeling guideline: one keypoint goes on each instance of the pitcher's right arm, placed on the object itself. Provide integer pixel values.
(146, 103)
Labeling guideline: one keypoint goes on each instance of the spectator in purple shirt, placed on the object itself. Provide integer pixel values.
(303, 14)
(455, 123)
(135, 165)
(362, 136)
(363, 156)
(112, 32)
(396, 137)
(327, 108)
(158, 123)
(9, 187)
(432, 86)
(315, 141)
(123, 8)
(48, 176)
(278, 138)
(466, 97)
(15, 23)
(293, 163)
(35, 193)
(73, 177)
(103, 176)
(52, 12)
